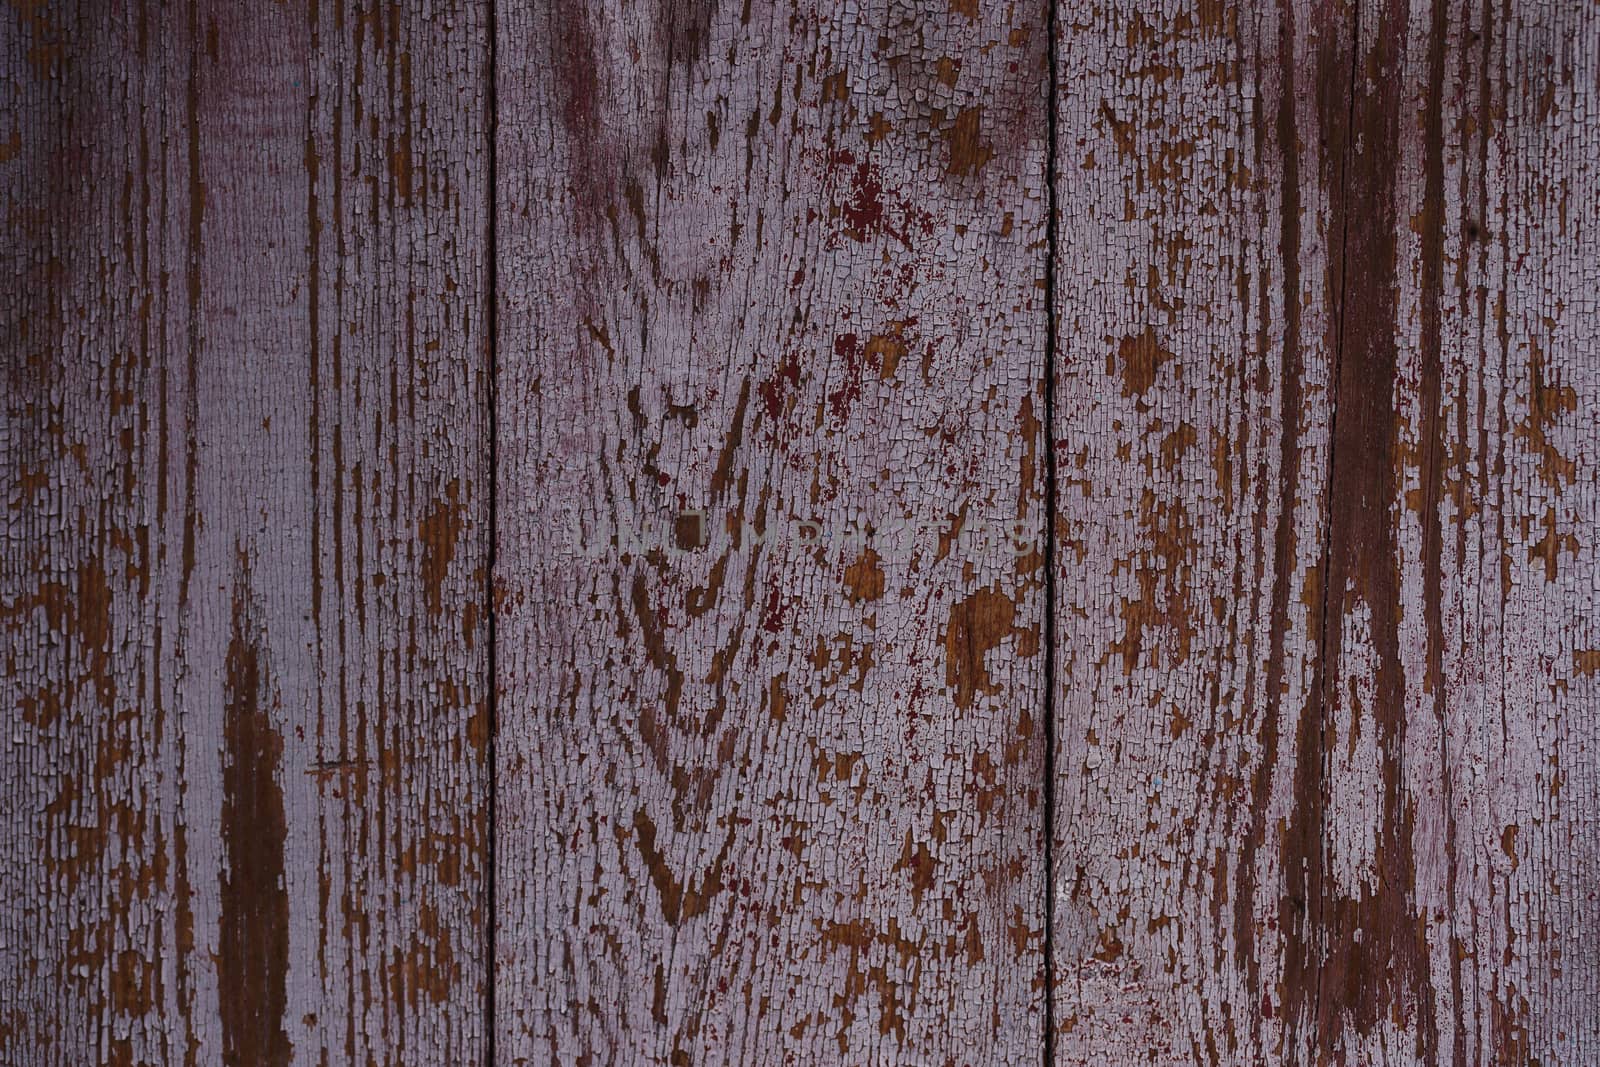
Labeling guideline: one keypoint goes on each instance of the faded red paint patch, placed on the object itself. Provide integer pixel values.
(863, 212)
(868, 210)
(849, 349)
(774, 612)
(778, 392)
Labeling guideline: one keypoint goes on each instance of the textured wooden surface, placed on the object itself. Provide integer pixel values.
(770, 792)
(243, 578)
(1196, 335)
(1325, 720)
(684, 673)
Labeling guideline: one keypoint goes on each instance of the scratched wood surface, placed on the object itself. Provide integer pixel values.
(245, 659)
(1325, 720)
(671, 681)
(770, 792)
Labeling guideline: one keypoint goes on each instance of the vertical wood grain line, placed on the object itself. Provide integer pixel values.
(1315, 728)
(1320, 699)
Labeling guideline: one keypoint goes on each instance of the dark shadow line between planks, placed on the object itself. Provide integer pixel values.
(1049, 727)
(491, 696)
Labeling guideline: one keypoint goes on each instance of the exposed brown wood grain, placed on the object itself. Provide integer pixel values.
(243, 589)
(1323, 455)
(1476, 155)
(768, 795)
(1195, 330)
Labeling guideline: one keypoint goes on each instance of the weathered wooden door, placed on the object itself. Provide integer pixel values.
(585, 532)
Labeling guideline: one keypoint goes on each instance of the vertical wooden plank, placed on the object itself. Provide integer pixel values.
(768, 785)
(1197, 264)
(1473, 164)
(1323, 454)
(245, 534)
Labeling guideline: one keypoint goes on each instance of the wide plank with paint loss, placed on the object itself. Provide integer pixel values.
(1326, 705)
(1453, 898)
(243, 595)
(771, 341)
(1195, 325)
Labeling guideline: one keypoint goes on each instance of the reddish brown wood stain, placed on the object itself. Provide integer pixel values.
(665, 679)
(253, 942)
(1357, 958)
(977, 626)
